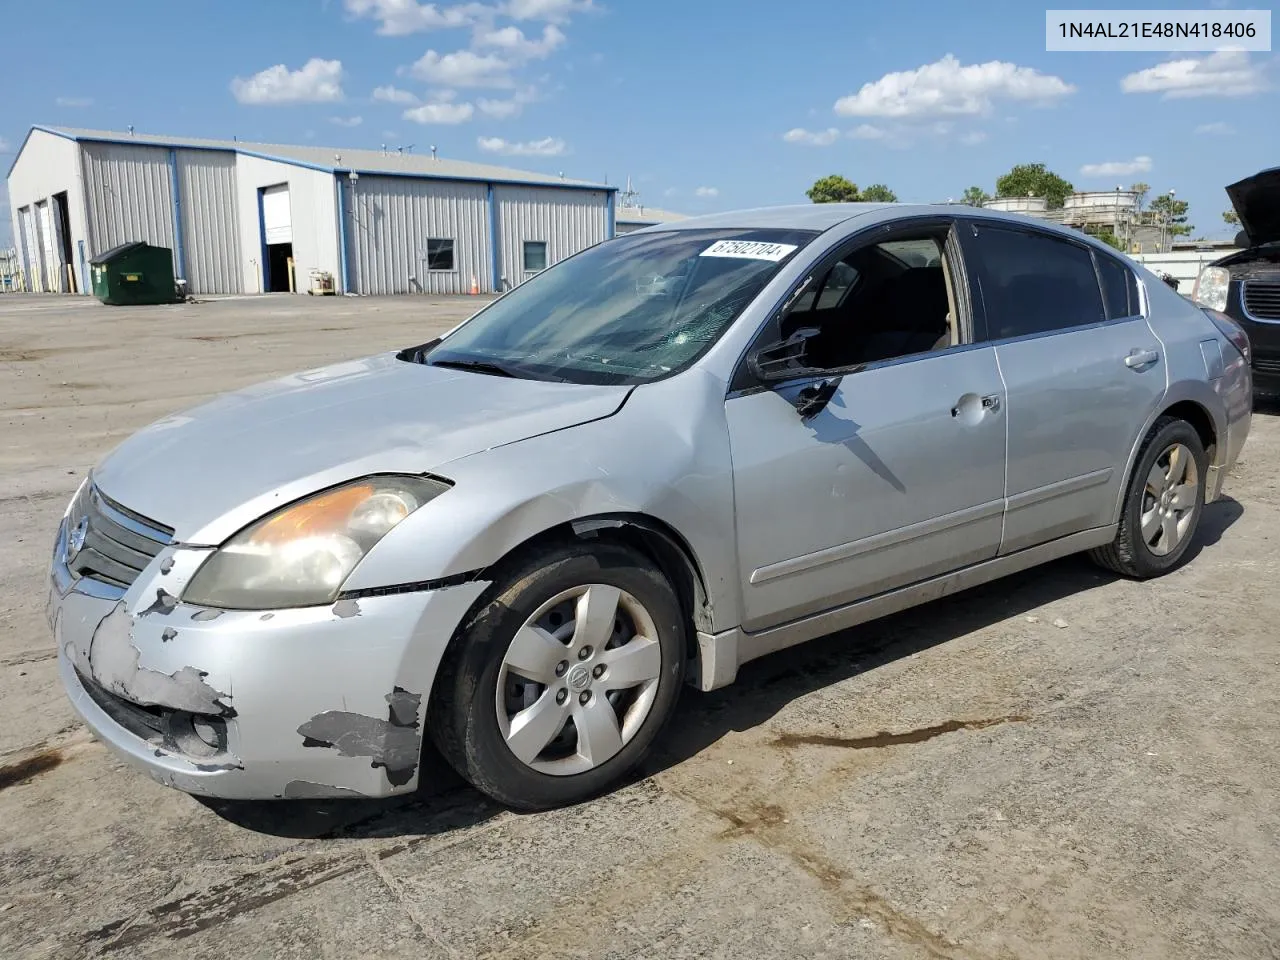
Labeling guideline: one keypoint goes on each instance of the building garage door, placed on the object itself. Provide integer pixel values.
(30, 249)
(51, 278)
(210, 220)
(277, 224)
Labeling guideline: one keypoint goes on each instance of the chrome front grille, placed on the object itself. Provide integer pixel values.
(108, 542)
(1262, 299)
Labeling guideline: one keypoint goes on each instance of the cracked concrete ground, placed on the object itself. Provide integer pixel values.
(971, 779)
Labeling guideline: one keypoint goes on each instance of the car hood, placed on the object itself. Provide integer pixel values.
(211, 470)
(1257, 203)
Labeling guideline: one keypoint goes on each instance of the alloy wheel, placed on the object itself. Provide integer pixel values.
(578, 679)
(1169, 500)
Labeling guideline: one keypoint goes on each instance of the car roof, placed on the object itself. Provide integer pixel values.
(824, 216)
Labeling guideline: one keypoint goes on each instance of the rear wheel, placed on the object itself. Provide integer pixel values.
(1163, 504)
(556, 688)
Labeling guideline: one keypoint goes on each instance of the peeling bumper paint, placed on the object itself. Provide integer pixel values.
(259, 680)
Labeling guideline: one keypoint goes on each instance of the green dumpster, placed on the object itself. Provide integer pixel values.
(134, 273)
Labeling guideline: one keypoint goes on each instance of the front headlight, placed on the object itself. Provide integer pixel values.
(1211, 288)
(301, 555)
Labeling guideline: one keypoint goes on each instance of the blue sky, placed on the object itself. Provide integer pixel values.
(706, 105)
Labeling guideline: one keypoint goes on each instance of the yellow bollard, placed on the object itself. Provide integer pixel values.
(293, 285)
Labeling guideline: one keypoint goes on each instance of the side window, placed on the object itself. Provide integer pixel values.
(828, 292)
(535, 255)
(1118, 288)
(1033, 283)
(439, 254)
(879, 302)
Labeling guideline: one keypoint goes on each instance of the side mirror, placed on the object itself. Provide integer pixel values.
(784, 358)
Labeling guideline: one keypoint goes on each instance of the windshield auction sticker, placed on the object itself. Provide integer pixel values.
(749, 250)
(1157, 30)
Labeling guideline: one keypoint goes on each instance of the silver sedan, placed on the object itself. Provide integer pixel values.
(675, 452)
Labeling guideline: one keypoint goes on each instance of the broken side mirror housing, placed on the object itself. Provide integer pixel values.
(783, 359)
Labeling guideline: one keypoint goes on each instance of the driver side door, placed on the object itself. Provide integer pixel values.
(898, 478)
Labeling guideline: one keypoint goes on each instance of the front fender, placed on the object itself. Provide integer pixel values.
(665, 455)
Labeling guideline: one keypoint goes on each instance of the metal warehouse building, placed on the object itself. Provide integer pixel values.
(234, 214)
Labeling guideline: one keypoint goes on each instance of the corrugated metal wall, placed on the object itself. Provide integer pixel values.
(210, 225)
(390, 219)
(566, 220)
(127, 195)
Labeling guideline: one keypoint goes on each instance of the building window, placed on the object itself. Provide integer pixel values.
(535, 255)
(439, 254)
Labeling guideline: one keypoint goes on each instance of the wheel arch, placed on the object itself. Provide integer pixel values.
(648, 535)
(1194, 402)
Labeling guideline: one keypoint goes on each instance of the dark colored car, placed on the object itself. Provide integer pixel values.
(1246, 285)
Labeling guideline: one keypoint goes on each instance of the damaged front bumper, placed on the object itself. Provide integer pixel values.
(312, 702)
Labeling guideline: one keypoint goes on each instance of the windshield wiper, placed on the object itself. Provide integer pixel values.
(476, 366)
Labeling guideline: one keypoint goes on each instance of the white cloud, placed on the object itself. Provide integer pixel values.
(504, 109)
(865, 131)
(318, 81)
(706, 192)
(973, 137)
(1117, 168)
(553, 11)
(546, 147)
(1228, 73)
(397, 18)
(462, 68)
(346, 121)
(1216, 129)
(812, 138)
(947, 88)
(670, 192)
(74, 101)
(391, 94)
(391, 134)
(4, 145)
(512, 41)
(440, 112)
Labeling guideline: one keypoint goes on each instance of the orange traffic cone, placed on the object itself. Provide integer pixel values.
(475, 285)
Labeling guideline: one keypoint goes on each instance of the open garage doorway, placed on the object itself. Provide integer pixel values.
(276, 221)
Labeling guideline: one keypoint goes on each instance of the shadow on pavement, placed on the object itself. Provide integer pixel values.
(764, 687)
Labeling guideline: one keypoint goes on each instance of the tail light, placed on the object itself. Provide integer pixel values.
(1231, 330)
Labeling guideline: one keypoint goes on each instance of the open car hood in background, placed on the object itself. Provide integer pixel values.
(1257, 203)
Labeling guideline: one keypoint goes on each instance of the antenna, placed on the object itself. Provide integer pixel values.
(131, 129)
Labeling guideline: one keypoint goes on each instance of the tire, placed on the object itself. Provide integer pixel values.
(1132, 554)
(465, 716)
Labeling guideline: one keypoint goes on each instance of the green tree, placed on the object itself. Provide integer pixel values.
(1231, 217)
(975, 196)
(833, 189)
(1034, 180)
(878, 193)
(1109, 238)
(1141, 189)
(1172, 214)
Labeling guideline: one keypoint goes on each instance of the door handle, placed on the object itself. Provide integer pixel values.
(1140, 358)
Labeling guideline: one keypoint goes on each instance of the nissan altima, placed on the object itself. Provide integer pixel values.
(675, 452)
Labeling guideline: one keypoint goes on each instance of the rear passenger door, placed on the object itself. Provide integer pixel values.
(1083, 372)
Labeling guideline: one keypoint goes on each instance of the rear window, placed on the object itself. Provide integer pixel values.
(1119, 288)
(1033, 283)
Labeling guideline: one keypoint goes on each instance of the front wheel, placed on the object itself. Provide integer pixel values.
(556, 688)
(1163, 504)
